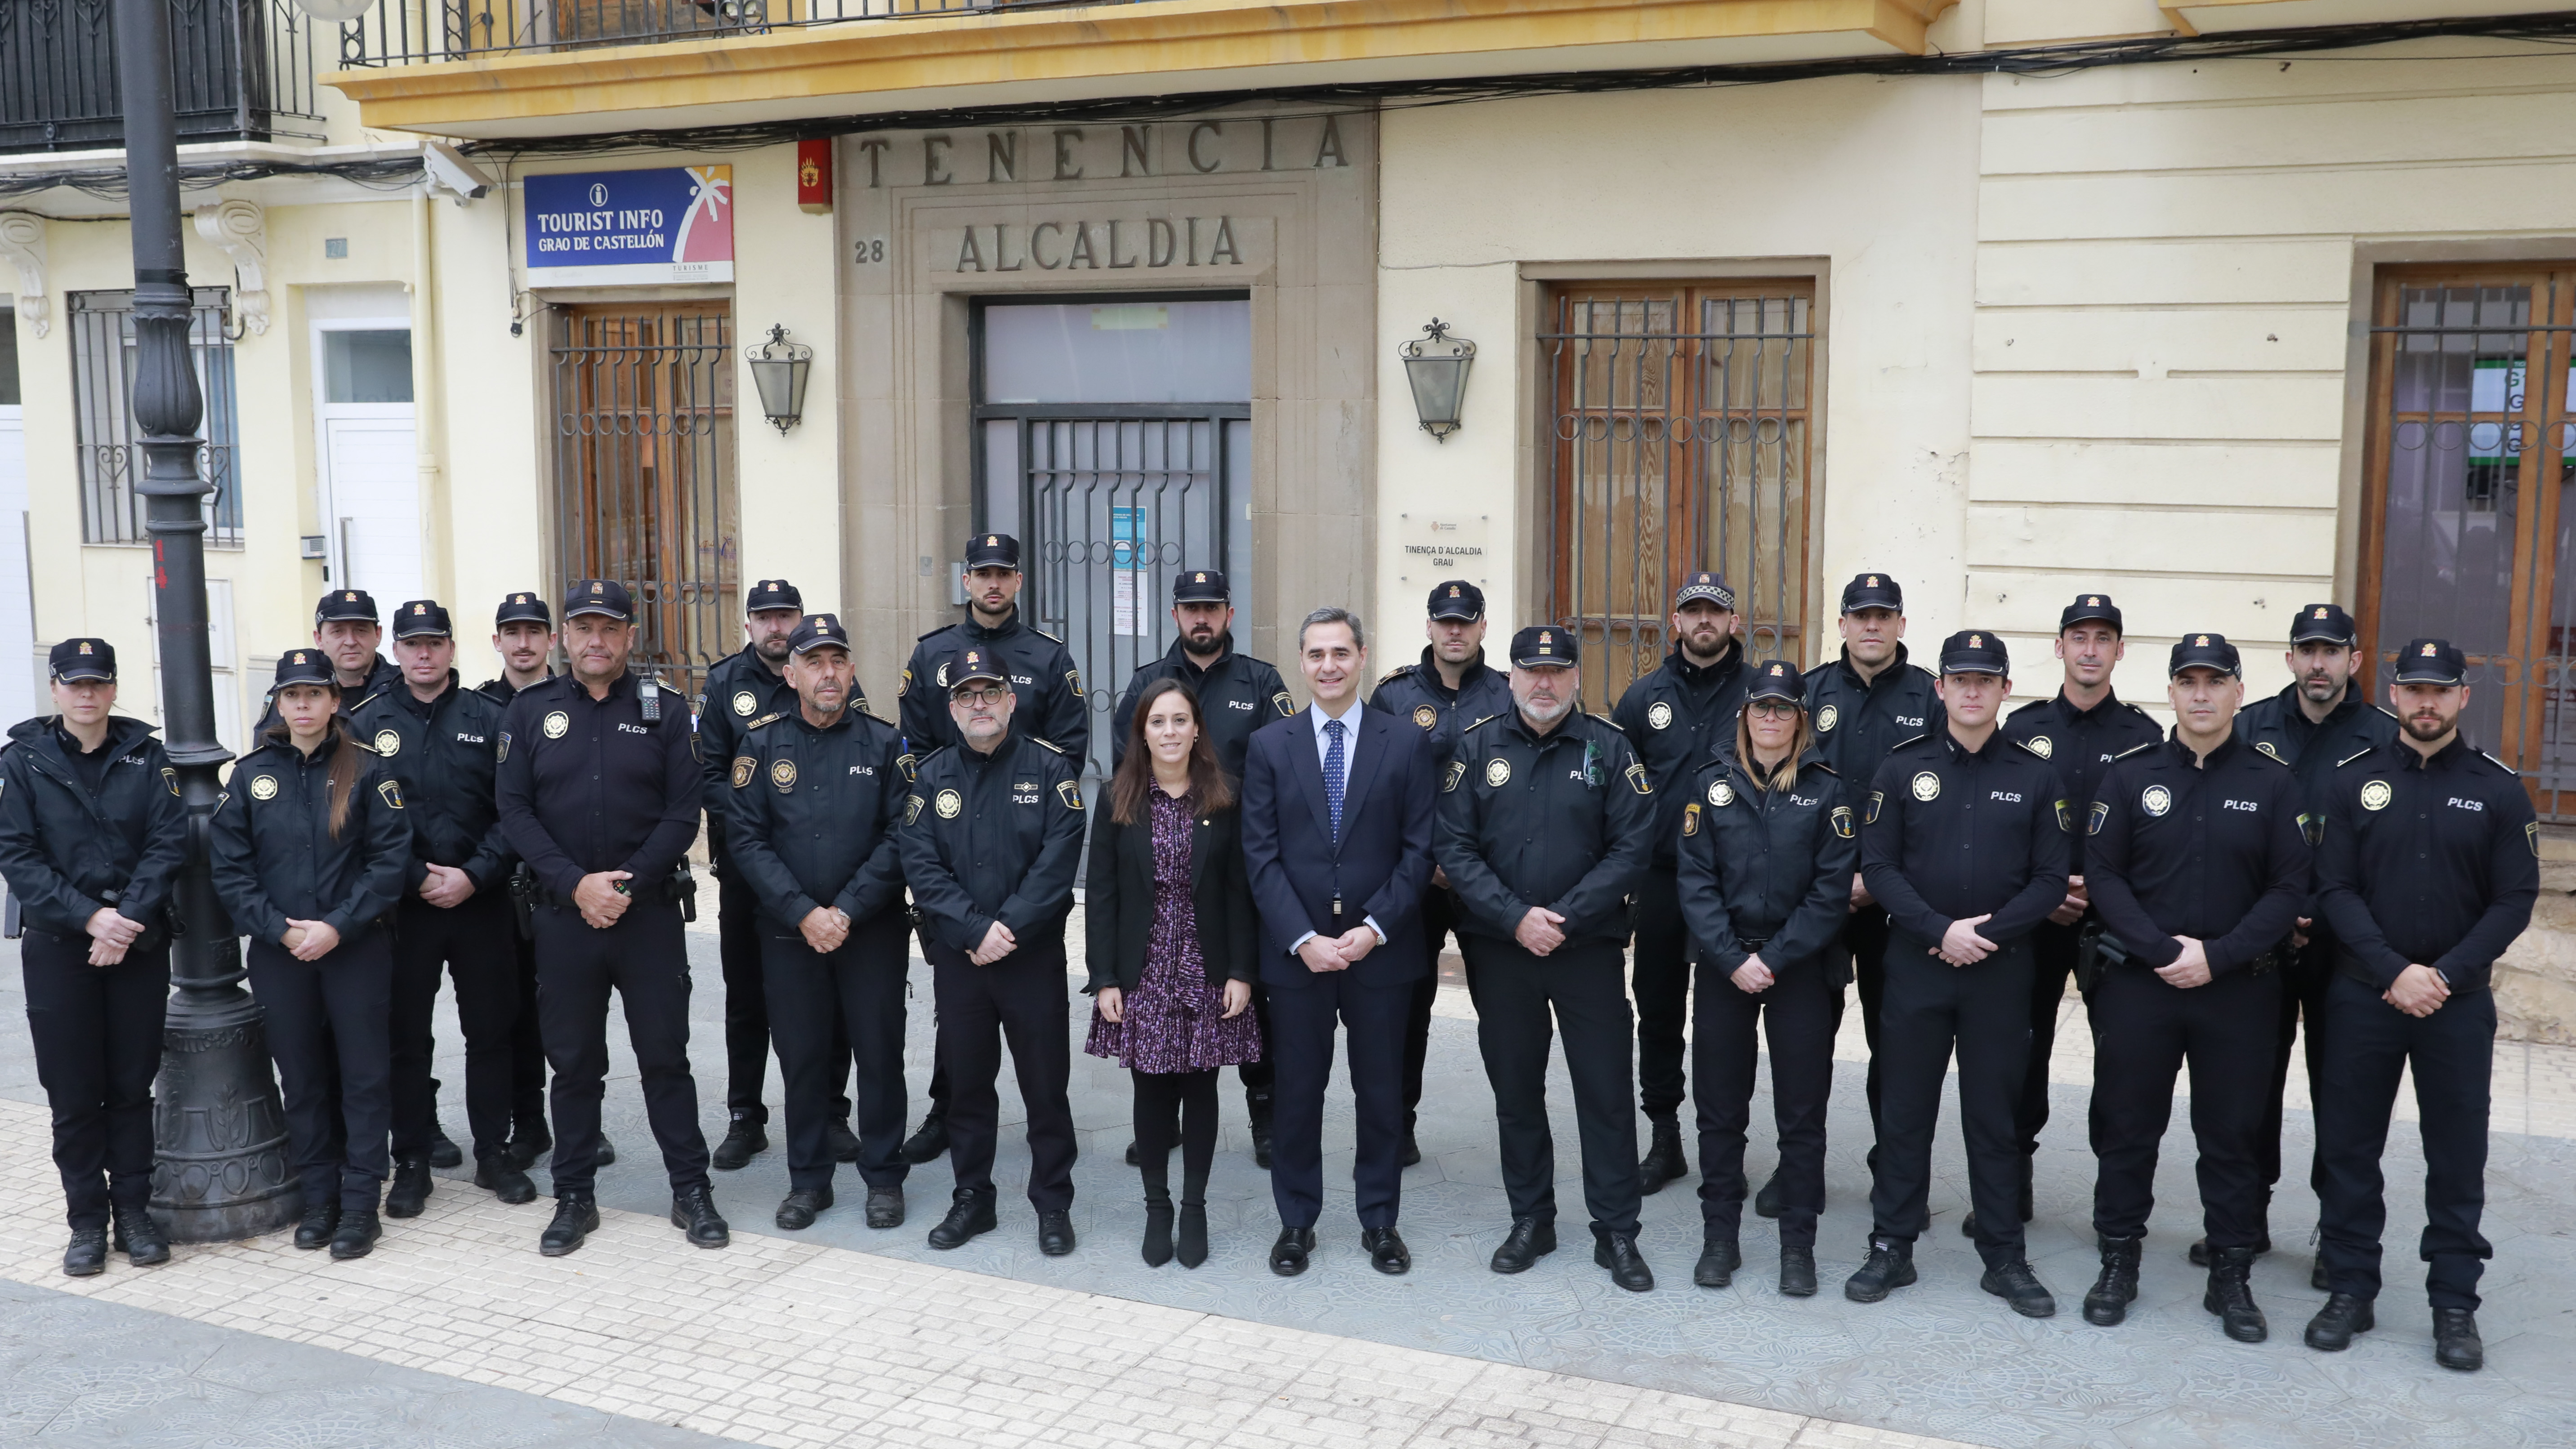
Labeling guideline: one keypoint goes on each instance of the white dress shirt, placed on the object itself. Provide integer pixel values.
(1350, 719)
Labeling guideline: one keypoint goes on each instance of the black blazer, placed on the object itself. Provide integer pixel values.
(1118, 903)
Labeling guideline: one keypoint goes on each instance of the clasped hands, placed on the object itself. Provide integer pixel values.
(1337, 953)
(1113, 1001)
(110, 936)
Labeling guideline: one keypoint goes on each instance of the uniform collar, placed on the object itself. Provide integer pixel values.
(1005, 630)
(849, 713)
(1696, 674)
(2447, 756)
(1566, 728)
(1180, 655)
(1429, 673)
(2181, 753)
(1959, 751)
(769, 672)
(2067, 711)
(1895, 667)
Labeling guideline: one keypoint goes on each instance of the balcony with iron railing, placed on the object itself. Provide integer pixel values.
(243, 71)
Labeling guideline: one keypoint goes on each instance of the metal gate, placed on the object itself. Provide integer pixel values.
(2471, 454)
(644, 473)
(1681, 440)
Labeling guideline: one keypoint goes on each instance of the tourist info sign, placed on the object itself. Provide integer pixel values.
(631, 228)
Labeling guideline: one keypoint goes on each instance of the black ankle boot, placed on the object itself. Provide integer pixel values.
(2231, 1296)
(2117, 1288)
(1158, 1228)
(1191, 1245)
(1663, 1161)
(140, 1238)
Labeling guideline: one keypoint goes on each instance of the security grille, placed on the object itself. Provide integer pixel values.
(2472, 450)
(1681, 437)
(644, 473)
(104, 432)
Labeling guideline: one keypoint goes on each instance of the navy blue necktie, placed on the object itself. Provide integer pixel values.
(1335, 762)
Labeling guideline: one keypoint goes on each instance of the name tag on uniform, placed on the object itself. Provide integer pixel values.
(2245, 805)
(624, 728)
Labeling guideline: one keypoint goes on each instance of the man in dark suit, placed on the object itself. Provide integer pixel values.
(1337, 805)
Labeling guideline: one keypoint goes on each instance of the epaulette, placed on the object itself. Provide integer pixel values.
(770, 718)
(2027, 708)
(2134, 709)
(2499, 764)
(1401, 671)
(925, 757)
(370, 699)
(2383, 709)
(1050, 744)
(1916, 740)
(1820, 763)
(2355, 755)
(1489, 719)
(926, 638)
(364, 745)
(2133, 749)
(1612, 723)
(2024, 747)
(864, 710)
(1041, 633)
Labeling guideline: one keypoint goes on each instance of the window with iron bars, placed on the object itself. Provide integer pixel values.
(107, 442)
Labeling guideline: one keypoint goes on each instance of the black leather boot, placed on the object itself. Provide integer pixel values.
(2231, 1296)
(576, 1218)
(2014, 1283)
(1719, 1257)
(969, 1214)
(1618, 1253)
(356, 1235)
(529, 1141)
(87, 1255)
(1890, 1266)
(443, 1151)
(1158, 1228)
(504, 1181)
(744, 1139)
(929, 1141)
(2456, 1344)
(1663, 1161)
(1798, 1272)
(693, 1211)
(2343, 1316)
(1766, 1203)
(140, 1238)
(2112, 1293)
(1189, 1242)
(409, 1192)
(315, 1229)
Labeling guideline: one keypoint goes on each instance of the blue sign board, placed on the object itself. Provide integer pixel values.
(594, 228)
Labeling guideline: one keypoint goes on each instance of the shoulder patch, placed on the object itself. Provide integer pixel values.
(391, 792)
(742, 768)
(2133, 749)
(2348, 759)
(1050, 744)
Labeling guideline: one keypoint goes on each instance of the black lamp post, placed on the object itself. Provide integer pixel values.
(220, 1169)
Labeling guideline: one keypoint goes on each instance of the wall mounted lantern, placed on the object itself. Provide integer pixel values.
(778, 370)
(1436, 364)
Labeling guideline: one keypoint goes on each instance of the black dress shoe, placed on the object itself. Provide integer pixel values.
(744, 1139)
(1718, 1260)
(1529, 1240)
(885, 1207)
(1386, 1250)
(1798, 1272)
(2231, 1296)
(2014, 1283)
(1766, 1203)
(1663, 1161)
(529, 1141)
(1189, 1241)
(1055, 1232)
(607, 1155)
(314, 1230)
(969, 1214)
(843, 1142)
(928, 1142)
(1295, 1248)
(1158, 1232)
(139, 1238)
(442, 1151)
(2456, 1344)
(801, 1207)
(2200, 1251)
(356, 1236)
(504, 1181)
(1618, 1253)
(409, 1192)
(576, 1218)
(1411, 1156)
(693, 1211)
(87, 1255)
(1890, 1266)
(2343, 1316)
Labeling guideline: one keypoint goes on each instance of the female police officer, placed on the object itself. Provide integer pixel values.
(91, 837)
(1765, 865)
(309, 850)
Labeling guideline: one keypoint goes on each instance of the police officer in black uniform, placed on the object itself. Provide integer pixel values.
(523, 634)
(441, 741)
(990, 841)
(1678, 717)
(1766, 848)
(813, 795)
(348, 631)
(1963, 839)
(309, 848)
(1237, 694)
(599, 794)
(1052, 707)
(92, 835)
(2428, 870)
(1861, 706)
(2199, 868)
(2080, 731)
(2319, 720)
(741, 687)
(1546, 823)
(1449, 690)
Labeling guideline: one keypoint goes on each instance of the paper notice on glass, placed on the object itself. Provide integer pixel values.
(1126, 559)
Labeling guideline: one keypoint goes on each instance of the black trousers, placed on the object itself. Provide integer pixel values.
(2052, 955)
(1514, 992)
(472, 942)
(1661, 981)
(1439, 919)
(1303, 1020)
(862, 984)
(97, 1034)
(527, 1042)
(1020, 999)
(1865, 935)
(1798, 1013)
(2368, 1044)
(330, 1031)
(2303, 995)
(1927, 1008)
(644, 960)
(2143, 1032)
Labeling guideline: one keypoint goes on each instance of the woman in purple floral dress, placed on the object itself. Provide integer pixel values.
(1170, 936)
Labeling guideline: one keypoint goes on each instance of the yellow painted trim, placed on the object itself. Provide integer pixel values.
(2182, 26)
(1154, 40)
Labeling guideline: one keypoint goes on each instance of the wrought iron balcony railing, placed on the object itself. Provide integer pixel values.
(413, 32)
(244, 72)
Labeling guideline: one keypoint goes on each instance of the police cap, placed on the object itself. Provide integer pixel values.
(2432, 661)
(817, 631)
(1544, 646)
(972, 663)
(1777, 679)
(77, 659)
(2204, 651)
(422, 619)
(2090, 609)
(772, 594)
(1872, 591)
(516, 608)
(1704, 585)
(1974, 651)
(1457, 599)
(598, 596)
(345, 604)
(992, 551)
(2323, 624)
(303, 666)
(1200, 586)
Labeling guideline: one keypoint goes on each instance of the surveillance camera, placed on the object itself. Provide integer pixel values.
(449, 171)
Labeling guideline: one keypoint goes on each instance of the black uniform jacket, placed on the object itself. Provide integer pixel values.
(1856, 724)
(589, 785)
(741, 687)
(1677, 718)
(2081, 743)
(1051, 704)
(1237, 695)
(1767, 870)
(2276, 727)
(1946, 835)
(446, 762)
(69, 851)
(2427, 862)
(1563, 821)
(273, 854)
(2211, 851)
(810, 814)
(994, 837)
(1415, 692)
(1118, 907)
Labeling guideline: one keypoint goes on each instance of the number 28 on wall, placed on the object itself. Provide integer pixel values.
(867, 250)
